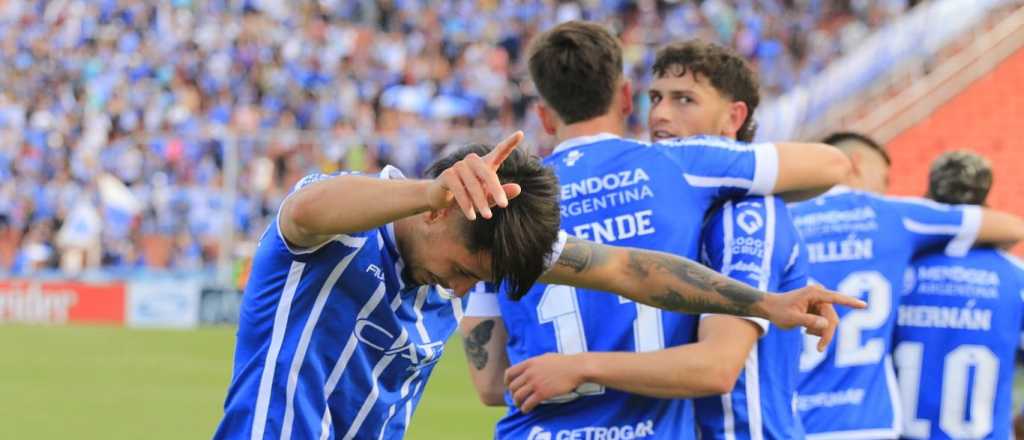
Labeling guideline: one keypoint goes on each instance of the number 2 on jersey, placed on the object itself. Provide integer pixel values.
(851, 347)
(560, 307)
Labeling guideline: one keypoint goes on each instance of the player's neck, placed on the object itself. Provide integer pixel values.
(853, 182)
(606, 123)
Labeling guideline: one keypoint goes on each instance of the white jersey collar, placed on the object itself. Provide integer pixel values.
(583, 140)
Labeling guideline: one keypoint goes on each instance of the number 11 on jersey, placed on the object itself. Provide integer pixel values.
(560, 307)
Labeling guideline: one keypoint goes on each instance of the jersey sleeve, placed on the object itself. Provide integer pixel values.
(302, 183)
(724, 167)
(745, 240)
(930, 225)
(482, 301)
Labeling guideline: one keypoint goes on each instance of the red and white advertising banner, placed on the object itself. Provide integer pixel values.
(61, 302)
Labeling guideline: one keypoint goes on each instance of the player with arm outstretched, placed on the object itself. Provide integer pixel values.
(959, 325)
(344, 316)
(617, 191)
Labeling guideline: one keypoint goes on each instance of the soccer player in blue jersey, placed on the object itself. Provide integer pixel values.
(959, 325)
(702, 87)
(624, 192)
(342, 319)
(860, 243)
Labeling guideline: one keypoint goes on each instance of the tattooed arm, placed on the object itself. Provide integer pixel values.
(483, 338)
(674, 283)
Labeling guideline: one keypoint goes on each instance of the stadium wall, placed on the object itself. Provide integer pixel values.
(985, 118)
(155, 302)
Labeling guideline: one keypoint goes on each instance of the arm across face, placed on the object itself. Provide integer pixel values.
(677, 284)
(312, 215)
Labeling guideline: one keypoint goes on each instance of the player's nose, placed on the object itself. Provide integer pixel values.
(656, 114)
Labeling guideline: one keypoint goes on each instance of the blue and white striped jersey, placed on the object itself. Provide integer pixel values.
(628, 193)
(331, 342)
(860, 244)
(753, 240)
(956, 342)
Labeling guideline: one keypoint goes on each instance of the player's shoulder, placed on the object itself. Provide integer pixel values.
(911, 201)
(704, 141)
(572, 151)
(1013, 261)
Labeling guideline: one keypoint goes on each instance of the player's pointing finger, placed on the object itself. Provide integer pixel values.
(503, 150)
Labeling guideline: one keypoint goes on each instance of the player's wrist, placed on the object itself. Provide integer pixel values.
(587, 366)
(433, 194)
(763, 308)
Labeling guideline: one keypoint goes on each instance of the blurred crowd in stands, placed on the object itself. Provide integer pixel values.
(116, 115)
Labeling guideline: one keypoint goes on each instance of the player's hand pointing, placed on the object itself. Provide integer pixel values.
(810, 307)
(473, 183)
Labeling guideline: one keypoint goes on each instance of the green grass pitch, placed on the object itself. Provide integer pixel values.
(114, 383)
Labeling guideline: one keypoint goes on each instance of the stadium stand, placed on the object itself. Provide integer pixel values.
(994, 106)
(115, 116)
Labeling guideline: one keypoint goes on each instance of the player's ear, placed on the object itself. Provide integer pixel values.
(738, 112)
(855, 160)
(547, 117)
(436, 215)
(626, 95)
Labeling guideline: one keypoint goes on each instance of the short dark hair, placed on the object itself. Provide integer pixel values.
(839, 137)
(727, 71)
(960, 177)
(575, 67)
(521, 236)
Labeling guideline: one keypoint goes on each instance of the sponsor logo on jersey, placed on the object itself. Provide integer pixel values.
(643, 429)
(750, 221)
(572, 157)
(748, 246)
(836, 222)
(958, 274)
(607, 182)
(378, 338)
(376, 271)
(954, 280)
(594, 194)
(753, 271)
(850, 396)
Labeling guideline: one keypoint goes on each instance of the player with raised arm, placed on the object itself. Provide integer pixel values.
(959, 325)
(624, 192)
(343, 317)
(860, 243)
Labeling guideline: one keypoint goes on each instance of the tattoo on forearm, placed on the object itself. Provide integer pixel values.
(475, 343)
(580, 255)
(737, 298)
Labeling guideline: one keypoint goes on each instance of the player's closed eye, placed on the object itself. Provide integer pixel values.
(465, 274)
